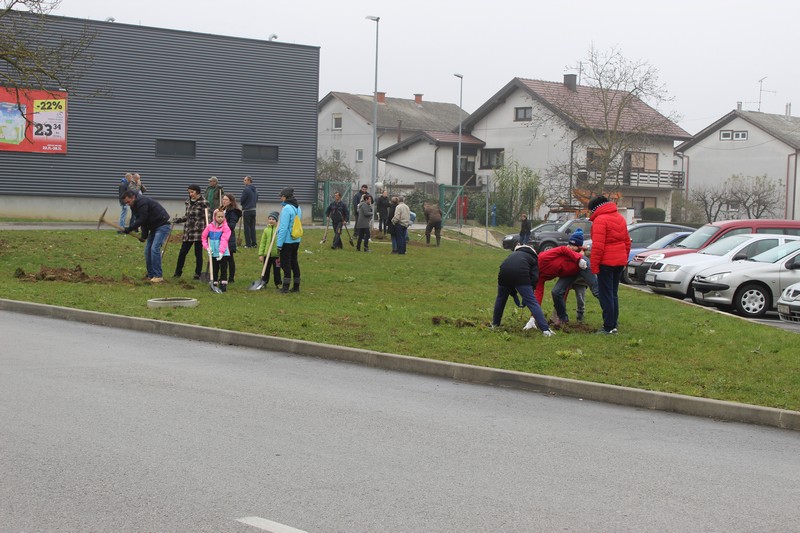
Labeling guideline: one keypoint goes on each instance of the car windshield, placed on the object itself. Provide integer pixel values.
(666, 240)
(723, 246)
(699, 237)
(776, 254)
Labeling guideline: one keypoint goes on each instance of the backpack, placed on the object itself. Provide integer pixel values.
(297, 227)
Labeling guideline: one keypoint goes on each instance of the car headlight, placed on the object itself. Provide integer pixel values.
(653, 258)
(716, 277)
(791, 295)
(671, 268)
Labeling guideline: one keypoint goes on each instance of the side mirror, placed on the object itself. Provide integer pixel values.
(793, 263)
(740, 256)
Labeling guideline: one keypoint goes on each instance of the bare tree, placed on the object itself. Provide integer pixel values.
(31, 57)
(516, 191)
(711, 200)
(758, 197)
(615, 112)
(330, 168)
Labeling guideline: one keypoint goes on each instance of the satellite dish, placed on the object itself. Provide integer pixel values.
(379, 184)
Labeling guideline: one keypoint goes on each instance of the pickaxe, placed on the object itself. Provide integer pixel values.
(117, 226)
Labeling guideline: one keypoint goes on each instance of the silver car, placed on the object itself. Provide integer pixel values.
(673, 275)
(753, 286)
(789, 304)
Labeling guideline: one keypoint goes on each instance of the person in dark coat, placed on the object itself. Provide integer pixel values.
(153, 219)
(518, 274)
(390, 225)
(382, 206)
(232, 216)
(524, 229)
(194, 222)
(249, 200)
(338, 213)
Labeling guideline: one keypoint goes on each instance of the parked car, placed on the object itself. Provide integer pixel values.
(673, 276)
(752, 287)
(789, 304)
(713, 232)
(544, 240)
(510, 241)
(644, 234)
(670, 240)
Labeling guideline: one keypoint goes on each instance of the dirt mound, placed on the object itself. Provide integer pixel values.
(74, 275)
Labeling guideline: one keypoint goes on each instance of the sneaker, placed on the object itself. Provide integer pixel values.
(156, 280)
(494, 326)
(602, 331)
(614, 331)
(549, 333)
(530, 325)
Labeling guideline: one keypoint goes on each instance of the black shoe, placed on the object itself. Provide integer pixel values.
(196, 277)
(176, 275)
(230, 281)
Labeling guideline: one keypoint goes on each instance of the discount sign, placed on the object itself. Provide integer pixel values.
(33, 121)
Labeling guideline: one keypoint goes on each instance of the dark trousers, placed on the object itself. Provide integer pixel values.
(221, 268)
(289, 263)
(198, 255)
(436, 227)
(562, 287)
(363, 235)
(528, 300)
(608, 286)
(383, 222)
(232, 266)
(272, 264)
(337, 235)
(400, 236)
(250, 227)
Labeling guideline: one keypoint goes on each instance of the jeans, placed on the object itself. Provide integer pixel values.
(528, 300)
(123, 214)
(337, 235)
(250, 228)
(152, 251)
(401, 234)
(525, 237)
(562, 287)
(608, 285)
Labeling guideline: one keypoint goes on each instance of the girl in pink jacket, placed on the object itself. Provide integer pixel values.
(215, 241)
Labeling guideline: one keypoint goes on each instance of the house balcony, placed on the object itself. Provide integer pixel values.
(656, 179)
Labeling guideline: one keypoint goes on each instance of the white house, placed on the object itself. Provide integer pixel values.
(747, 143)
(345, 128)
(533, 122)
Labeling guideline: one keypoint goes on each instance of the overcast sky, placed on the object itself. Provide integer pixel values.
(709, 53)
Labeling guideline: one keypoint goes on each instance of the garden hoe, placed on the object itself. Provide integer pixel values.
(260, 283)
(325, 237)
(117, 226)
(166, 242)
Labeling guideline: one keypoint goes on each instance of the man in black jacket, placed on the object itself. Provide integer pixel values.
(338, 213)
(357, 197)
(519, 273)
(154, 221)
(382, 206)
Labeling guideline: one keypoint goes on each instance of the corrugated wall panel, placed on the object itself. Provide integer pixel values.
(221, 92)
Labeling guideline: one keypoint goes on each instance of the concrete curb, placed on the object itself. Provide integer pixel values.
(659, 401)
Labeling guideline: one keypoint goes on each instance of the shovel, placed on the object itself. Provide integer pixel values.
(348, 236)
(116, 226)
(325, 237)
(211, 285)
(260, 283)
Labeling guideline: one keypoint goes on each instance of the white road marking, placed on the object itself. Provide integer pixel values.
(268, 525)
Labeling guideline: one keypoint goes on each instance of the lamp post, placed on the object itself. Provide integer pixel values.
(458, 160)
(374, 178)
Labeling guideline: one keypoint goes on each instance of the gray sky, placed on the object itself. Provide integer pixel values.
(709, 53)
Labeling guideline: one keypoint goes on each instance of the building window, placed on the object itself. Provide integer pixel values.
(523, 113)
(739, 135)
(359, 155)
(336, 155)
(725, 135)
(642, 161)
(491, 158)
(173, 148)
(594, 159)
(257, 152)
(337, 121)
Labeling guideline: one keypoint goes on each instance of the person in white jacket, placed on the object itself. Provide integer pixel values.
(401, 221)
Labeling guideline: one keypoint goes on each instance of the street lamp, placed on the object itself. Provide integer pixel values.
(458, 161)
(374, 178)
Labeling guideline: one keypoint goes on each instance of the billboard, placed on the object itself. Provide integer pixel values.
(33, 121)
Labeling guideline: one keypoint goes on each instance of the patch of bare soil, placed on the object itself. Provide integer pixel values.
(571, 327)
(457, 322)
(74, 275)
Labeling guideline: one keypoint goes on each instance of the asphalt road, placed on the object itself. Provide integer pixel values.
(112, 430)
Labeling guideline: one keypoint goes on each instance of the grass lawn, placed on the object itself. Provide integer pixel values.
(433, 303)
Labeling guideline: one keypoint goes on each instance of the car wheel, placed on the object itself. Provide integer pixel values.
(752, 300)
(626, 279)
(546, 246)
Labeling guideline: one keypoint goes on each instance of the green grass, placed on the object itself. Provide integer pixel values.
(390, 303)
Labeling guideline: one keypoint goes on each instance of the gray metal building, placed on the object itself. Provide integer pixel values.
(179, 107)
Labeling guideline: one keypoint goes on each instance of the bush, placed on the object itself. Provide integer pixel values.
(653, 214)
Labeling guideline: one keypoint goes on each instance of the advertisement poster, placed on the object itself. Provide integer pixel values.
(37, 122)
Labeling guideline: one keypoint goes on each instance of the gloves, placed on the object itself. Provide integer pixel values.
(219, 256)
(582, 264)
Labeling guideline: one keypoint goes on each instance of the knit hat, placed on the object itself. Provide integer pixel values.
(288, 192)
(596, 202)
(576, 238)
(274, 215)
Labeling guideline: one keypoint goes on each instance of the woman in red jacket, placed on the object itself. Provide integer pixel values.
(611, 245)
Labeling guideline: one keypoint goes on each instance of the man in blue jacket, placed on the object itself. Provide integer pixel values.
(154, 221)
(249, 200)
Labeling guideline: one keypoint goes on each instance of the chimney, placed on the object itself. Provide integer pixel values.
(418, 98)
(571, 82)
(788, 110)
(738, 106)
(381, 97)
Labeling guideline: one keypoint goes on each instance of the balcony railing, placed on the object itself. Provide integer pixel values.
(657, 179)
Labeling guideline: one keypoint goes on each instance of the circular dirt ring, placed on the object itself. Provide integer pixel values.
(172, 302)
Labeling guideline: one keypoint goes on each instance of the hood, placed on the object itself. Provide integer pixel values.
(524, 248)
(603, 209)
